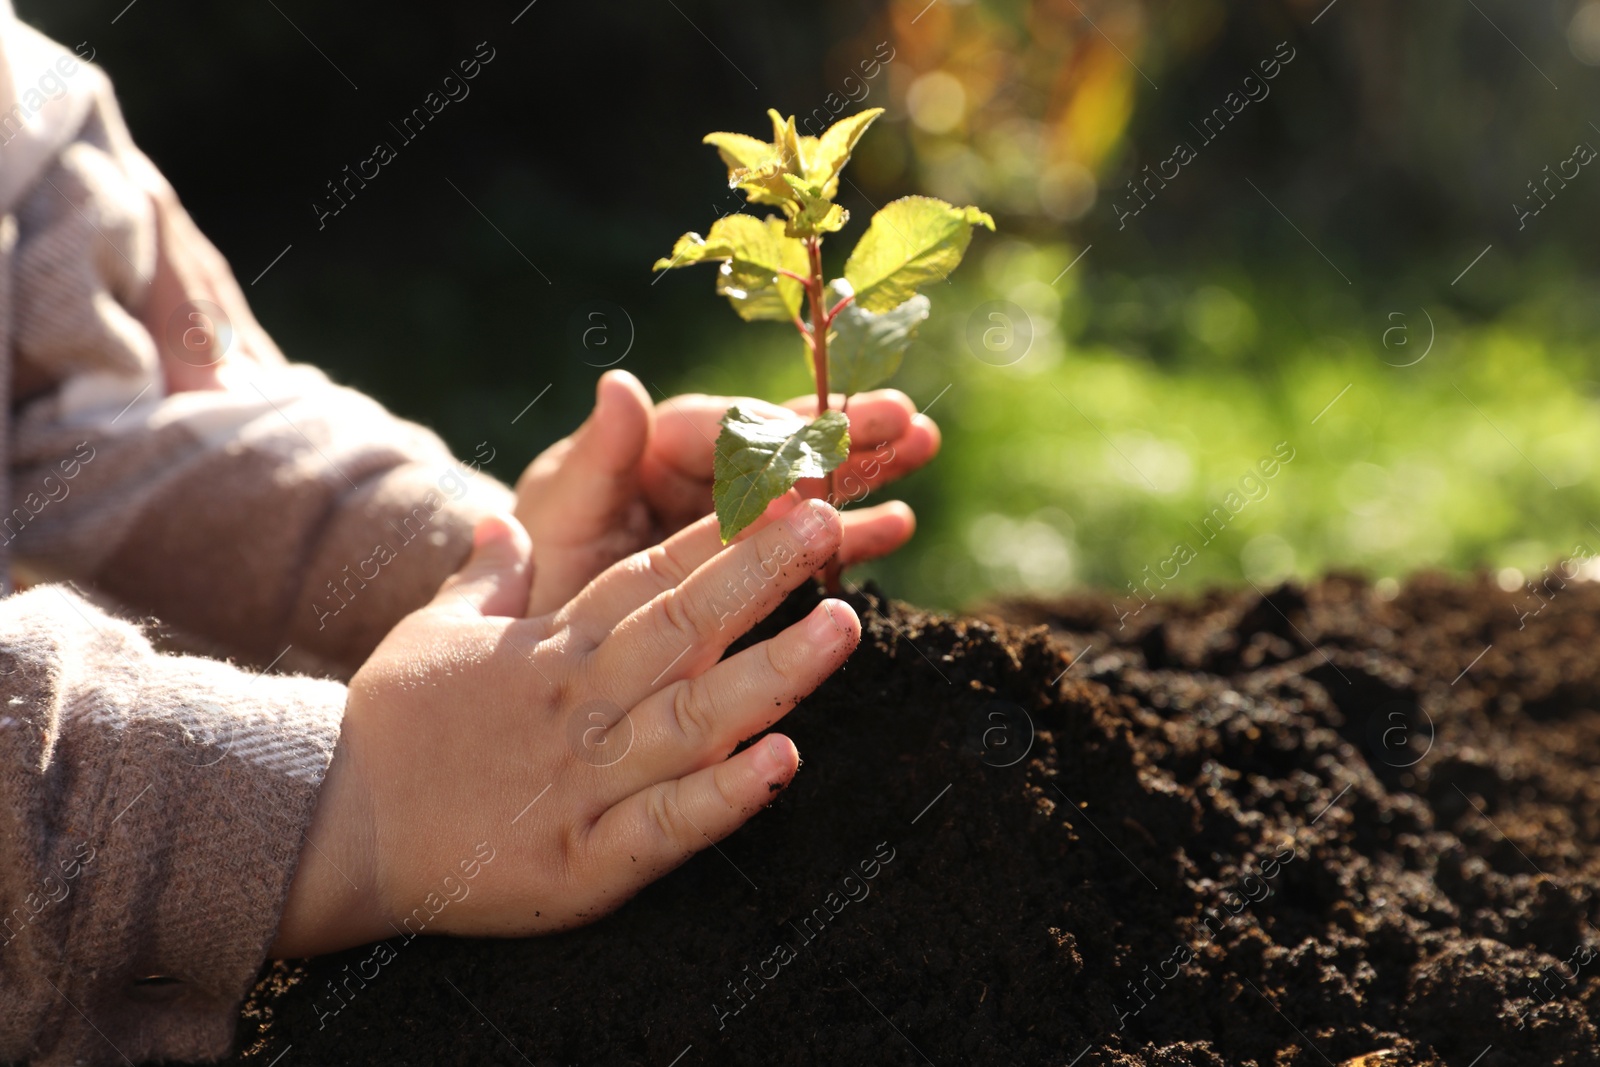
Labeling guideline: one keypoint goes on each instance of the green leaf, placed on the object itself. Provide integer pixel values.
(751, 251)
(750, 280)
(758, 167)
(864, 347)
(753, 165)
(812, 213)
(763, 184)
(758, 460)
(913, 241)
(786, 143)
(690, 249)
(739, 150)
(834, 148)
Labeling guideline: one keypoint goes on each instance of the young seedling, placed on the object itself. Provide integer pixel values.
(855, 329)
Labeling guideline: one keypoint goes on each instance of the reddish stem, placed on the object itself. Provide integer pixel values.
(819, 337)
(820, 317)
(840, 306)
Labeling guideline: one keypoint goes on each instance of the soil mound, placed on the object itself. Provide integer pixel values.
(1311, 827)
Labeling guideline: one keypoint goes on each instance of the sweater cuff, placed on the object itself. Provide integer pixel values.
(183, 788)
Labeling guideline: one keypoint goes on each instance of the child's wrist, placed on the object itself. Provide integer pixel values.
(333, 898)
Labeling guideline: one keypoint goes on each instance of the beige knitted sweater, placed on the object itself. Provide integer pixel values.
(166, 462)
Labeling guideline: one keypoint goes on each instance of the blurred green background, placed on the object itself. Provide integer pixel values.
(1350, 266)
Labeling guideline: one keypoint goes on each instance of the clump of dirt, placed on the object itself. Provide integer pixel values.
(1314, 827)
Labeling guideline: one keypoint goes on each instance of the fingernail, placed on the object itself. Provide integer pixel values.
(777, 753)
(824, 627)
(485, 531)
(807, 519)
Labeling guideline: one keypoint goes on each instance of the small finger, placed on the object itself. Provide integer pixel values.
(876, 416)
(676, 498)
(662, 825)
(867, 470)
(687, 427)
(635, 581)
(586, 472)
(582, 488)
(632, 582)
(871, 533)
(696, 722)
(685, 629)
(495, 578)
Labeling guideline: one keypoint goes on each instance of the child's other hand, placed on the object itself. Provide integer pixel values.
(585, 752)
(633, 473)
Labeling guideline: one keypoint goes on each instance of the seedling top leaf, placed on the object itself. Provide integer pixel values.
(758, 166)
(856, 328)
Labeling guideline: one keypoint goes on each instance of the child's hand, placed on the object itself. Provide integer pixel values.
(586, 752)
(632, 474)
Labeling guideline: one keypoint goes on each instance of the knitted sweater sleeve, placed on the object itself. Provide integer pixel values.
(167, 456)
(152, 809)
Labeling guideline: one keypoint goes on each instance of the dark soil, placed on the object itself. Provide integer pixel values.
(1315, 828)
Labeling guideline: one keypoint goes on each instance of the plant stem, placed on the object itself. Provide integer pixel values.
(833, 312)
(819, 361)
(819, 327)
